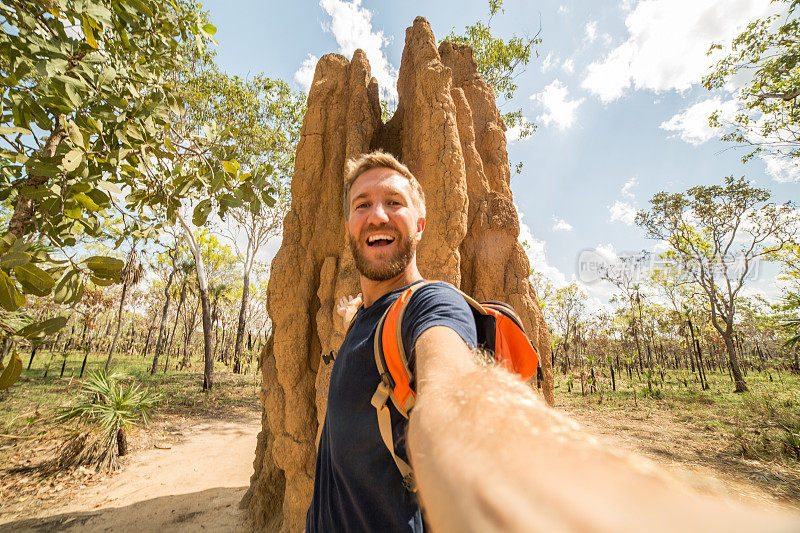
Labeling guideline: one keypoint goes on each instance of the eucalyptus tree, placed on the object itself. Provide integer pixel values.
(265, 117)
(86, 97)
(569, 305)
(132, 273)
(766, 55)
(185, 268)
(174, 256)
(717, 234)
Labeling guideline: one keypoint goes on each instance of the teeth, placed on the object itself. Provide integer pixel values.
(380, 236)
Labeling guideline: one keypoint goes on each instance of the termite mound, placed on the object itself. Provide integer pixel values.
(449, 133)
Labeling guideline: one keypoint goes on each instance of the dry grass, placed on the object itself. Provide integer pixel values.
(737, 439)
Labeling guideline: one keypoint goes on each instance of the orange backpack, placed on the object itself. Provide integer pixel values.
(500, 333)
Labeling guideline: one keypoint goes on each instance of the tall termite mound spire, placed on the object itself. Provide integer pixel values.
(449, 133)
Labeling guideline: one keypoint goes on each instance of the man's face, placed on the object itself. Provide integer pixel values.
(383, 226)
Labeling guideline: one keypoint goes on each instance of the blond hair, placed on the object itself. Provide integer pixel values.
(378, 159)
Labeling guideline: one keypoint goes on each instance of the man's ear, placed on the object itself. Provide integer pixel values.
(420, 227)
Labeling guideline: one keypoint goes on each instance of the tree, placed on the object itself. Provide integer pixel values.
(568, 306)
(264, 116)
(716, 235)
(86, 95)
(132, 274)
(767, 52)
(500, 62)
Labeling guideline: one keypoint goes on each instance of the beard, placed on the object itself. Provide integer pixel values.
(382, 270)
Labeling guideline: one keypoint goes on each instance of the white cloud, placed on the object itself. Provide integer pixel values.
(782, 169)
(568, 66)
(548, 63)
(623, 212)
(630, 184)
(667, 44)
(351, 26)
(536, 250)
(559, 110)
(305, 74)
(559, 224)
(563, 10)
(691, 124)
(591, 31)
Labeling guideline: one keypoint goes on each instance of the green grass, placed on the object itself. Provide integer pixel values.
(761, 424)
(28, 407)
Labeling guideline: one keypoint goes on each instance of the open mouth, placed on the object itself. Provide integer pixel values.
(379, 240)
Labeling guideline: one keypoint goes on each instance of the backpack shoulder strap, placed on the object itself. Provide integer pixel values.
(390, 354)
(395, 377)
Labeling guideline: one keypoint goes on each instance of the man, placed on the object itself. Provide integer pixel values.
(357, 485)
(487, 454)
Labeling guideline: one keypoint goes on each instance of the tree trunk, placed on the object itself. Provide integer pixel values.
(119, 324)
(175, 326)
(122, 442)
(24, 208)
(241, 325)
(202, 289)
(147, 341)
(162, 327)
(188, 337)
(208, 369)
(33, 353)
(738, 379)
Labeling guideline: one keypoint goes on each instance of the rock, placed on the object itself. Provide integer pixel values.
(449, 133)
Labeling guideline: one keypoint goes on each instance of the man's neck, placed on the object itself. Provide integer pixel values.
(372, 290)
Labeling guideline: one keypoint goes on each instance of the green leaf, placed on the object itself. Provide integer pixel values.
(11, 130)
(14, 259)
(100, 282)
(231, 167)
(108, 76)
(86, 202)
(67, 287)
(72, 160)
(34, 280)
(44, 328)
(11, 373)
(201, 212)
(110, 187)
(89, 32)
(6, 242)
(105, 267)
(268, 199)
(73, 212)
(75, 136)
(209, 28)
(10, 297)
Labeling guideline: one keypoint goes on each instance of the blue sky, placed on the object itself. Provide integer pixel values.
(615, 92)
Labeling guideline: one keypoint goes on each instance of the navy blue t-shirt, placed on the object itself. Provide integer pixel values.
(357, 486)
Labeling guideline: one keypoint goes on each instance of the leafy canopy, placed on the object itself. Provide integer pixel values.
(767, 53)
(499, 61)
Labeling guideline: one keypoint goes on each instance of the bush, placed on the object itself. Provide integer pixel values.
(107, 409)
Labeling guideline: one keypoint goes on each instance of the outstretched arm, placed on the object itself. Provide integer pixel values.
(489, 455)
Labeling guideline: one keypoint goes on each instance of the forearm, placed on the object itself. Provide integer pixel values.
(490, 456)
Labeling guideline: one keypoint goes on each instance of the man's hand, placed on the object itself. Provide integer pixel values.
(489, 455)
(347, 308)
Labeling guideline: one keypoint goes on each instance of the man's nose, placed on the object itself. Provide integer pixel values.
(377, 215)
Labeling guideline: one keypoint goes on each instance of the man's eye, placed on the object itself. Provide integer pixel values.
(362, 205)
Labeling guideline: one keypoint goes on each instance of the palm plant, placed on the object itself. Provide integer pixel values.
(112, 409)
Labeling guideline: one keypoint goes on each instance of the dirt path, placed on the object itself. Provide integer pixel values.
(194, 485)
